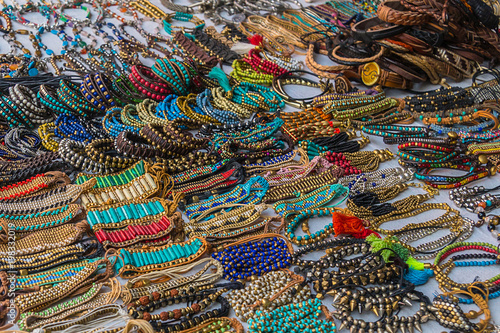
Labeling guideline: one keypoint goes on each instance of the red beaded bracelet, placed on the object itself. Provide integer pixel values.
(148, 84)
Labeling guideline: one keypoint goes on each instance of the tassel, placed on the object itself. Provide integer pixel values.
(219, 75)
(242, 48)
(344, 224)
(402, 252)
(368, 160)
(377, 244)
(418, 277)
(415, 264)
(256, 40)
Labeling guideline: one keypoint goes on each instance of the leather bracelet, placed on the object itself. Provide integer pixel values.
(372, 74)
(401, 69)
(192, 50)
(392, 11)
(361, 30)
(130, 144)
(418, 45)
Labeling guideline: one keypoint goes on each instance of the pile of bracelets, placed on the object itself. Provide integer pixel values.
(294, 166)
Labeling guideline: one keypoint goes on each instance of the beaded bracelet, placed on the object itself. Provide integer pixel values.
(449, 182)
(187, 105)
(148, 84)
(43, 240)
(82, 280)
(94, 89)
(231, 176)
(275, 289)
(56, 197)
(13, 114)
(227, 226)
(26, 101)
(22, 142)
(34, 185)
(249, 193)
(293, 318)
(277, 163)
(170, 72)
(143, 260)
(442, 269)
(113, 125)
(93, 298)
(312, 200)
(134, 235)
(303, 185)
(70, 95)
(254, 256)
(28, 223)
(48, 97)
(73, 153)
(166, 280)
(186, 324)
(102, 151)
(46, 279)
(71, 127)
(135, 212)
(20, 170)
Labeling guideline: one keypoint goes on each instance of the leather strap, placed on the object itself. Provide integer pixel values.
(361, 30)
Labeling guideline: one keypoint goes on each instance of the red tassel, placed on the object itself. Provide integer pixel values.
(256, 40)
(349, 225)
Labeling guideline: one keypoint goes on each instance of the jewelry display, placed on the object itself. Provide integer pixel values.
(151, 149)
